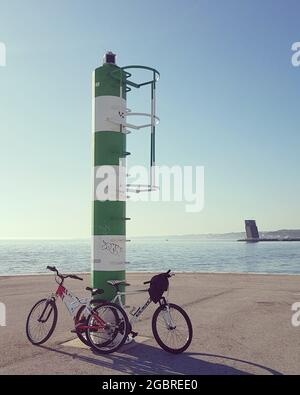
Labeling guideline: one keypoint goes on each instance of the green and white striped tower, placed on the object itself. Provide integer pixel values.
(109, 149)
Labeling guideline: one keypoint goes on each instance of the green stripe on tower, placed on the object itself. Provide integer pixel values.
(108, 81)
(101, 277)
(109, 217)
(109, 147)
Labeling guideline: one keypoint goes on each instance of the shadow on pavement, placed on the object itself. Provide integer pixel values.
(148, 360)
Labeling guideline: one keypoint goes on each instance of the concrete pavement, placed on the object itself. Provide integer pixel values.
(242, 325)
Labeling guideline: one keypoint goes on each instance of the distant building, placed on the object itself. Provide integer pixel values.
(252, 235)
(251, 229)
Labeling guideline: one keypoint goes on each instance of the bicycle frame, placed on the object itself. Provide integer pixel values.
(72, 304)
(71, 301)
(134, 317)
(140, 310)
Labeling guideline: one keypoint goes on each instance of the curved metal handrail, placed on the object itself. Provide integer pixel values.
(156, 75)
(144, 114)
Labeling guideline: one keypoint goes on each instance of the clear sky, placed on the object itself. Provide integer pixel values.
(228, 99)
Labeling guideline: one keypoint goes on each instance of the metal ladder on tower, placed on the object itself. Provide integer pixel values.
(120, 119)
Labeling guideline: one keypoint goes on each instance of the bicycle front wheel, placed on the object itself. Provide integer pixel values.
(172, 328)
(41, 321)
(107, 328)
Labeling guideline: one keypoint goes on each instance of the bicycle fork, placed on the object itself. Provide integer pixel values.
(167, 316)
(48, 303)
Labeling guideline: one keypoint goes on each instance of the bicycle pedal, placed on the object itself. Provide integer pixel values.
(133, 334)
(73, 331)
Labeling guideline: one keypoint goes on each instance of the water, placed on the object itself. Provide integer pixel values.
(154, 254)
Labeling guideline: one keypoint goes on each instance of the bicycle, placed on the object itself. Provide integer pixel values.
(101, 325)
(164, 317)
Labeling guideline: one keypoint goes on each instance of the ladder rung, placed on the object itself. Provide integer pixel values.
(137, 188)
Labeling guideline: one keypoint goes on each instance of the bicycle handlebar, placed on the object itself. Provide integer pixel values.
(75, 277)
(53, 269)
(167, 274)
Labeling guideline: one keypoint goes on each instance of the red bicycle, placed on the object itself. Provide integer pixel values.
(99, 324)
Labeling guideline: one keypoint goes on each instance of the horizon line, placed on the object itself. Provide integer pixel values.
(144, 236)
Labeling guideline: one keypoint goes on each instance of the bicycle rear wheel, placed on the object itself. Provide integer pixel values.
(80, 319)
(172, 328)
(107, 328)
(41, 321)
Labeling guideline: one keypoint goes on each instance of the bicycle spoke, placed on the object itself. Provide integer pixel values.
(172, 328)
(112, 328)
(40, 322)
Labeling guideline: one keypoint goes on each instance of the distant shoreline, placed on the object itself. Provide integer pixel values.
(176, 272)
(272, 234)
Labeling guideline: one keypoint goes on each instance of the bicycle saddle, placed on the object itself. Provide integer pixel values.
(95, 291)
(116, 283)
